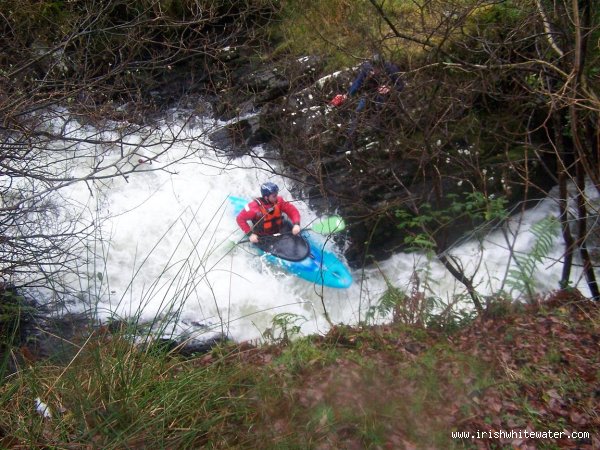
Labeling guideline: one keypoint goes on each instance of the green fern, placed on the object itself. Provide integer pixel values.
(391, 299)
(285, 327)
(520, 277)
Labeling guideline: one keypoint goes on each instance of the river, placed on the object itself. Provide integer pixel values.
(164, 247)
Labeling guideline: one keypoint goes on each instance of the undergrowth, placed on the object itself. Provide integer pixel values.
(392, 385)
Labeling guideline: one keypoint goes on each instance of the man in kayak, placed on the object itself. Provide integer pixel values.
(266, 214)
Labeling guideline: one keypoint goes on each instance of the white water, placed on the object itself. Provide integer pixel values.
(164, 245)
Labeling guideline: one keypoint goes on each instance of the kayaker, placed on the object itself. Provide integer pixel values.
(266, 213)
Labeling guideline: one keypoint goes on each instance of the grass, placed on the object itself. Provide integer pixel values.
(115, 395)
(382, 386)
(305, 355)
(345, 32)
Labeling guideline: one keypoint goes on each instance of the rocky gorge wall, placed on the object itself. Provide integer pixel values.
(391, 162)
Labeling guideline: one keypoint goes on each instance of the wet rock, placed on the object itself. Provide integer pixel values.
(239, 136)
(40, 332)
(252, 84)
(187, 347)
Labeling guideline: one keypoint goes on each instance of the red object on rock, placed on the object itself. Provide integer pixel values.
(338, 100)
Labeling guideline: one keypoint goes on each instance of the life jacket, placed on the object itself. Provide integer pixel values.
(270, 220)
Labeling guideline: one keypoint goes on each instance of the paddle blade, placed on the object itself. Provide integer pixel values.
(329, 225)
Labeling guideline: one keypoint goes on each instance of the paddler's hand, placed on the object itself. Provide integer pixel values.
(253, 238)
(296, 229)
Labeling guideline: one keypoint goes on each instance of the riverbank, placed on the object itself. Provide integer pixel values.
(401, 385)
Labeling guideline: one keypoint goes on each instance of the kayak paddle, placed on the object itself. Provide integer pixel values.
(328, 225)
(325, 225)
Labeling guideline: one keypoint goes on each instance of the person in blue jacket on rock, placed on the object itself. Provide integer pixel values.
(375, 81)
(374, 84)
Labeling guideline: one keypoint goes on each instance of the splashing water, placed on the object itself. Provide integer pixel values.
(163, 246)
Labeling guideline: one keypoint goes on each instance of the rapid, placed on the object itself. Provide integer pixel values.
(165, 246)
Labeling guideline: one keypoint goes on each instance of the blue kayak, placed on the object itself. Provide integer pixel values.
(308, 258)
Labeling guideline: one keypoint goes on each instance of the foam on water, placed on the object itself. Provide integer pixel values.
(164, 246)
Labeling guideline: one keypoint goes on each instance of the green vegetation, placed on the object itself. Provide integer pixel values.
(521, 277)
(13, 310)
(116, 395)
(348, 31)
(391, 385)
(322, 28)
(476, 207)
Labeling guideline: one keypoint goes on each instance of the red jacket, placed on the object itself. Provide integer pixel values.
(266, 218)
